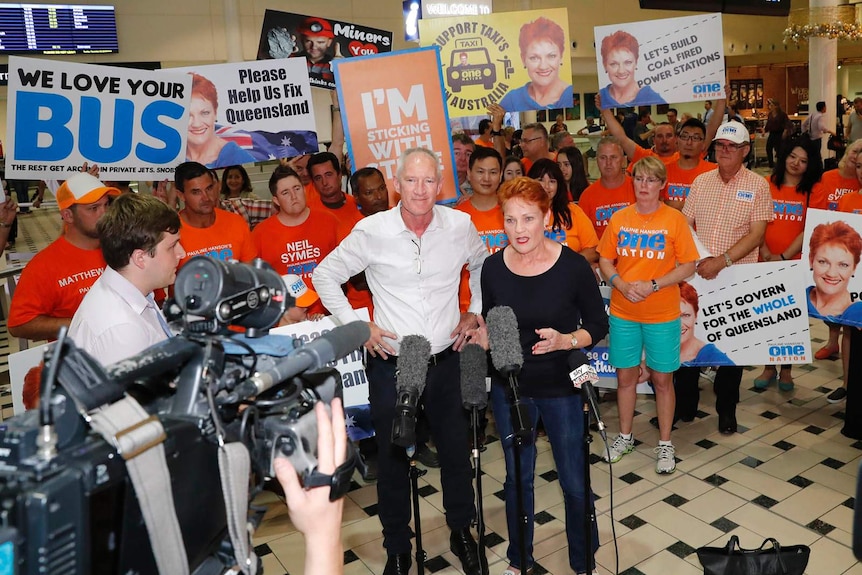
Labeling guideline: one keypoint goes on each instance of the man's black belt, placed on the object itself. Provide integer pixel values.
(433, 359)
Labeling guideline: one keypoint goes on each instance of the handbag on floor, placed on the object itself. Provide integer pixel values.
(734, 560)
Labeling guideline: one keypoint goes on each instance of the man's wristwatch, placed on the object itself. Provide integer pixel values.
(727, 261)
(574, 341)
(496, 133)
(655, 287)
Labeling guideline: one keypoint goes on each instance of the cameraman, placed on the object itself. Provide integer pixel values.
(140, 241)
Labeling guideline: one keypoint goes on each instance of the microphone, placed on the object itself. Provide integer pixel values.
(508, 358)
(583, 376)
(315, 354)
(474, 369)
(412, 369)
(505, 341)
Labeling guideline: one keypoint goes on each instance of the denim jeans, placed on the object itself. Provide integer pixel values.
(564, 423)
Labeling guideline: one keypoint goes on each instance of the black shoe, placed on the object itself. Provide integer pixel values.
(426, 456)
(369, 468)
(727, 423)
(464, 547)
(398, 564)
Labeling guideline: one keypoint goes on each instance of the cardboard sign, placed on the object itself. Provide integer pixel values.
(484, 62)
(132, 123)
(752, 314)
(831, 249)
(319, 41)
(664, 61)
(391, 103)
(351, 367)
(245, 112)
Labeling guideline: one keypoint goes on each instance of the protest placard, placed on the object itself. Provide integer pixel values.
(353, 379)
(520, 60)
(751, 314)
(244, 112)
(393, 102)
(319, 41)
(132, 123)
(831, 249)
(664, 61)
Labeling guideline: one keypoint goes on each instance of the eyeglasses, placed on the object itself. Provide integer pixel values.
(729, 147)
(690, 137)
(651, 181)
(528, 140)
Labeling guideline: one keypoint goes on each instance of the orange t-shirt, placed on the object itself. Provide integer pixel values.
(580, 236)
(644, 152)
(489, 224)
(296, 249)
(788, 208)
(679, 180)
(645, 249)
(830, 188)
(55, 281)
(479, 142)
(227, 239)
(599, 203)
(850, 203)
(347, 215)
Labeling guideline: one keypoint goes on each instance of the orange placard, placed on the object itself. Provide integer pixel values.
(393, 102)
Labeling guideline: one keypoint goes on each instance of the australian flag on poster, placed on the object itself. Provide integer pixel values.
(359, 422)
(271, 145)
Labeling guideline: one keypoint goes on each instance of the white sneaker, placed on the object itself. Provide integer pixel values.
(618, 448)
(665, 461)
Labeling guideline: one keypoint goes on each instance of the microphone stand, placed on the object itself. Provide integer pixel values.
(415, 473)
(522, 432)
(477, 468)
(588, 507)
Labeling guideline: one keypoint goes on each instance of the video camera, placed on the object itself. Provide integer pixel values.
(77, 475)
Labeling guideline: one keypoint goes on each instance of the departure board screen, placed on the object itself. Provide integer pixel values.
(57, 29)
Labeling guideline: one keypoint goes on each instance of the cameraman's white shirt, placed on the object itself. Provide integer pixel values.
(115, 320)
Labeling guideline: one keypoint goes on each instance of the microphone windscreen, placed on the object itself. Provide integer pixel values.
(474, 369)
(504, 339)
(412, 363)
(576, 359)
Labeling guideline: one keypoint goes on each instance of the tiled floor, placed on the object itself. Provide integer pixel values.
(788, 474)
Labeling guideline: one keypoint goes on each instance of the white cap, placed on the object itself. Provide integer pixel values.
(733, 131)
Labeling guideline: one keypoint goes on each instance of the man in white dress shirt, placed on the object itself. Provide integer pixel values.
(412, 257)
(140, 240)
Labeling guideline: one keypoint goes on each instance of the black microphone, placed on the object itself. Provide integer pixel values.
(505, 341)
(412, 369)
(583, 376)
(474, 370)
(315, 354)
(508, 358)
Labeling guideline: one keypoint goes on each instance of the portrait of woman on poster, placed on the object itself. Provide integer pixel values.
(693, 351)
(620, 52)
(834, 252)
(543, 45)
(203, 144)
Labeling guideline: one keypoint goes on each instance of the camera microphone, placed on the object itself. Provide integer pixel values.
(474, 370)
(315, 354)
(508, 358)
(583, 376)
(412, 369)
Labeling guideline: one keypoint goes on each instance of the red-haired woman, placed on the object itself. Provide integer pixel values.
(555, 297)
(203, 144)
(620, 52)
